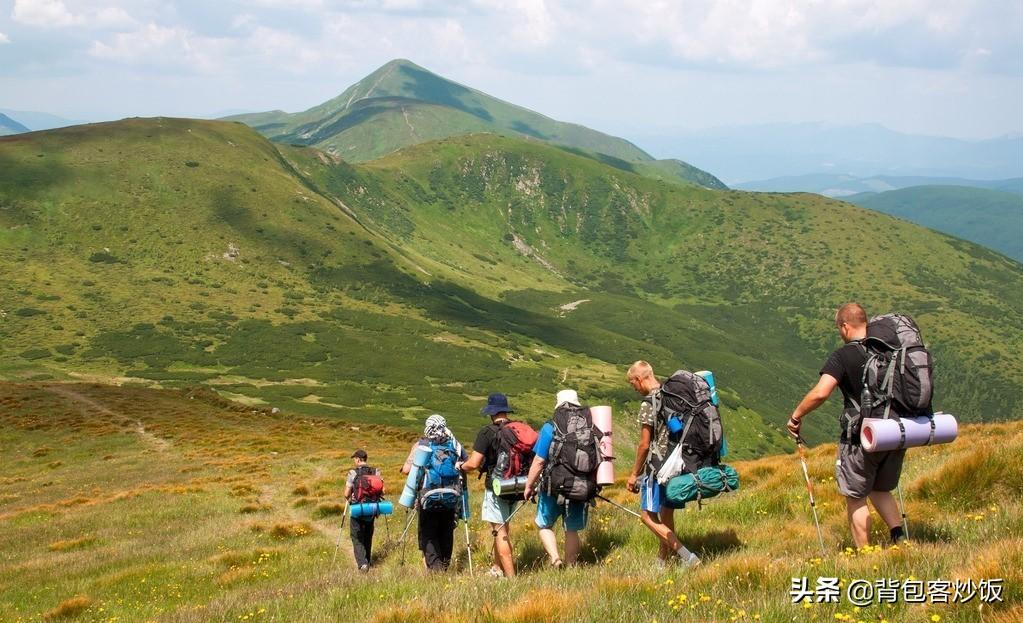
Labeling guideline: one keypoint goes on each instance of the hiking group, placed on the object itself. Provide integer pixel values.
(882, 370)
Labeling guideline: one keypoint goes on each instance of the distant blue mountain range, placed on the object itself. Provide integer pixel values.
(739, 154)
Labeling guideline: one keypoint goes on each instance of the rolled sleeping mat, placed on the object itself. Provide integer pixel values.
(709, 377)
(371, 509)
(420, 459)
(422, 456)
(602, 420)
(882, 435)
(509, 486)
(706, 483)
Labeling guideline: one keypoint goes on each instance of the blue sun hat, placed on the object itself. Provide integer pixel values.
(496, 403)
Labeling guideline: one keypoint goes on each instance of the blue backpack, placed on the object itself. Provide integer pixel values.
(442, 483)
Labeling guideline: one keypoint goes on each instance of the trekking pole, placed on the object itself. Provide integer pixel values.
(340, 531)
(465, 521)
(619, 506)
(493, 532)
(801, 449)
(902, 509)
(404, 532)
(468, 547)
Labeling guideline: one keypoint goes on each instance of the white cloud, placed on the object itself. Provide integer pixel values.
(4, 38)
(43, 13)
(281, 47)
(160, 46)
(111, 17)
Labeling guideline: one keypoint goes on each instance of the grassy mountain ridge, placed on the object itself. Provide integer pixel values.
(402, 104)
(418, 282)
(550, 206)
(135, 504)
(992, 218)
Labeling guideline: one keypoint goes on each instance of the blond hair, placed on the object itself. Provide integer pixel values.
(640, 370)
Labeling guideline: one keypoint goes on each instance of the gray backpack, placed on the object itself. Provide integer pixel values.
(898, 375)
(574, 455)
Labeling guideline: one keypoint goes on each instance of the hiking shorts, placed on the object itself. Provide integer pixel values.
(859, 472)
(548, 510)
(496, 510)
(652, 495)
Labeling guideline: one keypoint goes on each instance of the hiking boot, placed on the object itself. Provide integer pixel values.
(558, 564)
(364, 568)
(495, 572)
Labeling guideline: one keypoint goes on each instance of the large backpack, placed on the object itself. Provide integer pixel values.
(898, 374)
(687, 397)
(369, 486)
(515, 441)
(442, 483)
(574, 454)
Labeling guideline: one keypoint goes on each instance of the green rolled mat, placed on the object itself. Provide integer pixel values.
(708, 482)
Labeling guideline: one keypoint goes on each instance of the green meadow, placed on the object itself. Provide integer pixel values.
(135, 504)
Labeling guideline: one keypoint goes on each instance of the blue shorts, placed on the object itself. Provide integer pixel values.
(652, 496)
(548, 510)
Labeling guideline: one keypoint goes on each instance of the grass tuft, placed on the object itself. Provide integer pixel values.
(70, 544)
(69, 608)
(543, 606)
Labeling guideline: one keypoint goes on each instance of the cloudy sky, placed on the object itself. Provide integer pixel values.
(944, 67)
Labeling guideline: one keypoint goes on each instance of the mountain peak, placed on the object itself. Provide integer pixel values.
(401, 104)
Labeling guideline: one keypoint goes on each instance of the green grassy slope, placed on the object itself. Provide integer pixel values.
(176, 251)
(128, 504)
(992, 218)
(674, 257)
(403, 104)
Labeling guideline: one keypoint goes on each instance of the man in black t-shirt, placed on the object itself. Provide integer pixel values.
(861, 475)
(496, 511)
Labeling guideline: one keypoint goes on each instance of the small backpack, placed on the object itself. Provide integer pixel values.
(687, 398)
(515, 441)
(369, 486)
(442, 483)
(574, 455)
(898, 374)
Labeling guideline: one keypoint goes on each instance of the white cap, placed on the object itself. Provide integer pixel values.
(569, 396)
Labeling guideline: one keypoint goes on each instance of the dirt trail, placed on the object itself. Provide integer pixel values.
(133, 425)
(404, 113)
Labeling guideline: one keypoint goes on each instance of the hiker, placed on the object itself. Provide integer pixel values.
(654, 447)
(363, 484)
(860, 475)
(440, 495)
(502, 449)
(565, 461)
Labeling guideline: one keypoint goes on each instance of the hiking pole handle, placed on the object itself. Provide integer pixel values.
(616, 504)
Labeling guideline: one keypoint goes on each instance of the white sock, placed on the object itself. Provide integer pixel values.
(683, 553)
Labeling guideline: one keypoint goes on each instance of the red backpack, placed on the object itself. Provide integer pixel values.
(369, 487)
(515, 441)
